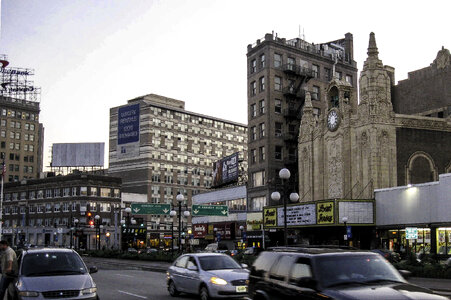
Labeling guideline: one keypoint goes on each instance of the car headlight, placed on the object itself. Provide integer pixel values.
(218, 281)
(28, 294)
(91, 290)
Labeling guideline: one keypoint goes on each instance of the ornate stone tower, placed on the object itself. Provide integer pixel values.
(374, 153)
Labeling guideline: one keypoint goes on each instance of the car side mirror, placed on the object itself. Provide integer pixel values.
(244, 266)
(307, 282)
(404, 273)
(93, 269)
(193, 268)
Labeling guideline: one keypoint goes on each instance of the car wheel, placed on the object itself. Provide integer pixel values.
(203, 294)
(172, 289)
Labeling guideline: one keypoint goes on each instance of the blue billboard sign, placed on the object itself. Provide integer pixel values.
(128, 124)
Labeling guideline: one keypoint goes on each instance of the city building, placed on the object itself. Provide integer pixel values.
(358, 146)
(427, 91)
(21, 134)
(160, 149)
(59, 211)
(423, 211)
(280, 72)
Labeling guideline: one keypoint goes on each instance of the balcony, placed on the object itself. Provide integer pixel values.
(290, 136)
(292, 69)
(292, 113)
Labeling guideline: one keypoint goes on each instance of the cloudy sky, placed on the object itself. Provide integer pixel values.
(90, 55)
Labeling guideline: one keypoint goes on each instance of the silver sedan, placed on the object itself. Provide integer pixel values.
(209, 275)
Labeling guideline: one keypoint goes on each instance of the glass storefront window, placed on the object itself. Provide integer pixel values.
(397, 241)
(444, 240)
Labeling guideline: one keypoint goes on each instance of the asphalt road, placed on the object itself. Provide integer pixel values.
(130, 284)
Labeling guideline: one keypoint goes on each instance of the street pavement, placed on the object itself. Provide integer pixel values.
(133, 279)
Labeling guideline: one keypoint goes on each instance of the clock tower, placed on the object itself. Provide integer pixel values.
(351, 149)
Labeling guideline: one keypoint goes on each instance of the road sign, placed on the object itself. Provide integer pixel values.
(150, 209)
(349, 231)
(210, 210)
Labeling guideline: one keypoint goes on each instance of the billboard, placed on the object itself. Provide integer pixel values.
(128, 131)
(297, 215)
(225, 170)
(78, 154)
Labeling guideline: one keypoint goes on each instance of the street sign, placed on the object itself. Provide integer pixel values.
(349, 231)
(411, 233)
(150, 209)
(210, 210)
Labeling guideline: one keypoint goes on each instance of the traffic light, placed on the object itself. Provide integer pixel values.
(108, 234)
(89, 217)
(91, 223)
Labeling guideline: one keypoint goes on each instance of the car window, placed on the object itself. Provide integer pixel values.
(191, 262)
(282, 268)
(181, 262)
(51, 263)
(263, 263)
(300, 269)
(218, 262)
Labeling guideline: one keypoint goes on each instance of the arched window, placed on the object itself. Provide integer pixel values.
(421, 168)
(333, 97)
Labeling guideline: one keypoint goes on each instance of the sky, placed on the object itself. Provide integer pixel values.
(91, 55)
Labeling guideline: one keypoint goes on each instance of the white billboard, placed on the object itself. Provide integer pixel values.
(78, 155)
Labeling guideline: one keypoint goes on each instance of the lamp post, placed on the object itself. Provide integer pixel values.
(126, 222)
(76, 230)
(242, 235)
(285, 174)
(173, 213)
(345, 236)
(97, 221)
(186, 213)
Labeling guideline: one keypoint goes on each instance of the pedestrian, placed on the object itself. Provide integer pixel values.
(9, 267)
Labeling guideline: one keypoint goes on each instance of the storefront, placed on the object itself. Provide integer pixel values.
(328, 222)
(415, 218)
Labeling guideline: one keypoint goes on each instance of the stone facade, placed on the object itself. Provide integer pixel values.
(355, 148)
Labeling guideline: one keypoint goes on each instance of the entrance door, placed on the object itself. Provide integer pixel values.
(47, 239)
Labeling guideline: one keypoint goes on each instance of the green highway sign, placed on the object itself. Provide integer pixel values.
(210, 210)
(150, 209)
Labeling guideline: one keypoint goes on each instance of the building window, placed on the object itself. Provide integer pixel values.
(277, 83)
(262, 153)
(48, 208)
(315, 69)
(262, 84)
(327, 74)
(56, 208)
(253, 133)
(48, 193)
(349, 79)
(253, 110)
(277, 60)
(83, 191)
(253, 66)
(261, 127)
(262, 106)
(74, 191)
(66, 192)
(262, 61)
(253, 88)
(315, 92)
(74, 206)
(257, 203)
(291, 64)
(277, 106)
(258, 178)
(56, 192)
(117, 193)
(253, 156)
(92, 206)
(105, 192)
(278, 152)
(338, 75)
(278, 129)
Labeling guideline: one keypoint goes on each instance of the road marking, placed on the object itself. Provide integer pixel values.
(123, 275)
(131, 294)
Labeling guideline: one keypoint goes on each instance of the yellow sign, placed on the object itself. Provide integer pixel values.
(270, 217)
(325, 213)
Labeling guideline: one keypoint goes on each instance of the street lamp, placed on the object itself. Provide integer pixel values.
(97, 218)
(76, 228)
(345, 237)
(285, 174)
(186, 213)
(173, 213)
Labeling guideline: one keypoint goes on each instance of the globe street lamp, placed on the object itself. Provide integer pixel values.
(76, 233)
(173, 213)
(285, 174)
(97, 218)
(180, 199)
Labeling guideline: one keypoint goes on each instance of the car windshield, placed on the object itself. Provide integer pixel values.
(218, 262)
(350, 269)
(52, 264)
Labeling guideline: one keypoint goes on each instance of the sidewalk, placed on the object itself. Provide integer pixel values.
(443, 286)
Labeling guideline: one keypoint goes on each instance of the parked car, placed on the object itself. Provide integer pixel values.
(391, 256)
(53, 273)
(209, 275)
(327, 273)
(132, 250)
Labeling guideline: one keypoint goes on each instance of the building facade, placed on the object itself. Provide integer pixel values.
(43, 211)
(21, 138)
(175, 152)
(280, 72)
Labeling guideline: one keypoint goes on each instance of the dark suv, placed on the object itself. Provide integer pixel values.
(328, 273)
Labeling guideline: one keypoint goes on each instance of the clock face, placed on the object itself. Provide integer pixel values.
(332, 120)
